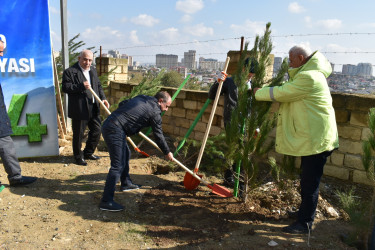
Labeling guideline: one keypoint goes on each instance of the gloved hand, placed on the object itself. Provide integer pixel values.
(248, 84)
(222, 76)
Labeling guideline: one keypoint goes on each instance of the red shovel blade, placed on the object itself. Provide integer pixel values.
(142, 152)
(190, 182)
(221, 191)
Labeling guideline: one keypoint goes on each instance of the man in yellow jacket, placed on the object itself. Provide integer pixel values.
(306, 125)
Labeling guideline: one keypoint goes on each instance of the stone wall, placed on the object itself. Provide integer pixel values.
(118, 65)
(351, 115)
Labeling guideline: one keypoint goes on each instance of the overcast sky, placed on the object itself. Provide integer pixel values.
(343, 30)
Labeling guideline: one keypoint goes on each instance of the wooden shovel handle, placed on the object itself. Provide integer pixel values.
(210, 119)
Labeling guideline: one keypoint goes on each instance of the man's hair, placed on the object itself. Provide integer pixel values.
(85, 51)
(300, 50)
(163, 95)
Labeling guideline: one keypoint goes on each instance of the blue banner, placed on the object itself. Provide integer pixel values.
(27, 76)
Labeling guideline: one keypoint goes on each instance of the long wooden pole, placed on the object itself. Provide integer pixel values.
(210, 119)
(58, 95)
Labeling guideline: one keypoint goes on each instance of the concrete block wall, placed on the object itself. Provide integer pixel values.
(351, 116)
(120, 66)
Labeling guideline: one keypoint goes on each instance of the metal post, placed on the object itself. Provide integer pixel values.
(241, 49)
(65, 50)
(100, 61)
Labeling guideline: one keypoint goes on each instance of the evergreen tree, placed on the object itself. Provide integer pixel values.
(368, 161)
(245, 143)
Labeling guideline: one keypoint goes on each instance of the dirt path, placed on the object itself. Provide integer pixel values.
(60, 211)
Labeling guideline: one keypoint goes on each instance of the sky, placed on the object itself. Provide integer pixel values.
(344, 31)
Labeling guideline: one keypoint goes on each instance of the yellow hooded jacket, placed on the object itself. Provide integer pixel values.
(306, 120)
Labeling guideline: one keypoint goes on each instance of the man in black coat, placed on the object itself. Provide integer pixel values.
(7, 149)
(83, 109)
(230, 92)
(128, 119)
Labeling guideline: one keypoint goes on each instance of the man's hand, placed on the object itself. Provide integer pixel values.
(169, 156)
(222, 76)
(106, 103)
(86, 84)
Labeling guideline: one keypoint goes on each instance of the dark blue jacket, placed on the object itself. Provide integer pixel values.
(230, 92)
(140, 112)
(5, 126)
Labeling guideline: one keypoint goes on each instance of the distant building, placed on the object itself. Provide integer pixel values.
(166, 61)
(361, 69)
(114, 53)
(189, 59)
(364, 69)
(210, 64)
(277, 64)
(130, 59)
(107, 55)
(349, 69)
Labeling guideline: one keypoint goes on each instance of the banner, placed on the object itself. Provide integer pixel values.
(27, 76)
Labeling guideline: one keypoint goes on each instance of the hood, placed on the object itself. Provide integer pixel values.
(317, 62)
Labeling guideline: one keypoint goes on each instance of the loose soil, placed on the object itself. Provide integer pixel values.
(60, 211)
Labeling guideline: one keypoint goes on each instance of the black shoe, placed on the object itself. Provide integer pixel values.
(129, 187)
(298, 228)
(80, 161)
(228, 178)
(91, 157)
(292, 214)
(111, 206)
(24, 180)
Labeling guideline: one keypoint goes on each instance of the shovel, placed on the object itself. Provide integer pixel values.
(216, 189)
(108, 113)
(189, 182)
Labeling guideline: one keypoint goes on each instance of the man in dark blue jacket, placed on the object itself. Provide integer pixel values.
(128, 119)
(230, 92)
(7, 149)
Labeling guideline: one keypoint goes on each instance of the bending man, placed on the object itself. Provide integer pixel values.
(128, 119)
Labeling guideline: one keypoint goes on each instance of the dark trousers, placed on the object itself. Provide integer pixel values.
(119, 153)
(9, 158)
(311, 173)
(79, 126)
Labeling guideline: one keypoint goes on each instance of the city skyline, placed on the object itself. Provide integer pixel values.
(344, 32)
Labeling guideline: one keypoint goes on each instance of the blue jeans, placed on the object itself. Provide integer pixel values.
(9, 158)
(119, 153)
(311, 173)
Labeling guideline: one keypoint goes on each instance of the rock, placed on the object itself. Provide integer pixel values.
(272, 243)
(332, 212)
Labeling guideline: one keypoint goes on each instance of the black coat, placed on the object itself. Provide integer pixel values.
(80, 99)
(5, 126)
(230, 92)
(140, 112)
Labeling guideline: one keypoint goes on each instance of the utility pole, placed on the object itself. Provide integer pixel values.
(65, 51)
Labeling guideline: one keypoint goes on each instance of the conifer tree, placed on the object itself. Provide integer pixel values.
(245, 144)
(368, 161)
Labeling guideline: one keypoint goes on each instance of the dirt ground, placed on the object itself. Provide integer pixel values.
(60, 211)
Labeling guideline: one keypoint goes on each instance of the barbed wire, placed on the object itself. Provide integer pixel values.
(249, 37)
(252, 37)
